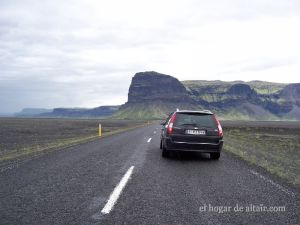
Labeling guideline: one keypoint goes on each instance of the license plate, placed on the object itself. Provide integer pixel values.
(195, 132)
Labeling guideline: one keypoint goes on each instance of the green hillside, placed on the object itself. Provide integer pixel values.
(261, 87)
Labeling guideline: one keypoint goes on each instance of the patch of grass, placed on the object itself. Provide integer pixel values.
(262, 87)
(276, 150)
(217, 97)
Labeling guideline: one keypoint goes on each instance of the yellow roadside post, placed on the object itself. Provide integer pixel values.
(100, 130)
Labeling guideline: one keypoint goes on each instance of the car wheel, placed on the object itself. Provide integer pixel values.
(165, 153)
(160, 146)
(215, 156)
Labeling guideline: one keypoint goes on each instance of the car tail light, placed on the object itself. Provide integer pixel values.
(220, 130)
(171, 123)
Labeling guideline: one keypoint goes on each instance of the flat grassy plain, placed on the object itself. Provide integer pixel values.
(25, 137)
(272, 145)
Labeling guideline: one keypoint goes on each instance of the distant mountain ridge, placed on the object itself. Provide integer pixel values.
(32, 112)
(153, 95)
(102, 111)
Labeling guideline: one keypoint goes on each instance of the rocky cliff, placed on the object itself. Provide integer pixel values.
(153, 86)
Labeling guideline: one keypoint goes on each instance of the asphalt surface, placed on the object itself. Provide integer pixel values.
(71, 186)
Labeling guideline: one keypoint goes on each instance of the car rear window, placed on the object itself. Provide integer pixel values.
(196, 119)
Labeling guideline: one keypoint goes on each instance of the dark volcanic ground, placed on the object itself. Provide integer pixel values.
(18, 133)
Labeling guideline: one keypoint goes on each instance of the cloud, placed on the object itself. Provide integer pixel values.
(84, 52)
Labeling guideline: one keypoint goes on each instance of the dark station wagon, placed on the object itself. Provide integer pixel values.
(198, 131)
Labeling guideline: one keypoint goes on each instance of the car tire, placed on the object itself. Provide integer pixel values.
(160, 146)
(215, 156)
(165, 153)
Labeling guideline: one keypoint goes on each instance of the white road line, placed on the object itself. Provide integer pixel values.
(273, 183)
(149, 140)
(117, 192)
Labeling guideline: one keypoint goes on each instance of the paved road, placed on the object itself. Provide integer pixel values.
(73, 185)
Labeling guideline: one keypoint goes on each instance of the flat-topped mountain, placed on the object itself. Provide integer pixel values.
(154, 95)
(153, 86)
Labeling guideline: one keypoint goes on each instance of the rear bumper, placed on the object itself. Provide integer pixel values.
(192, 146)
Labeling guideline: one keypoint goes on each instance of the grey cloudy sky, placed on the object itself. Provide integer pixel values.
(83, 53)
